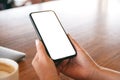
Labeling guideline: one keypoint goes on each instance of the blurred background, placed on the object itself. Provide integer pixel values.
(7, 4)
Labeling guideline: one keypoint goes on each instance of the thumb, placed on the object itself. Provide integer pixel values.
(38, 45)
(40, 48)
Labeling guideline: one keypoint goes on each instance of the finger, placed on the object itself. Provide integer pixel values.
(36, 58)
(61, 66)
(40, 47)
(76, 45)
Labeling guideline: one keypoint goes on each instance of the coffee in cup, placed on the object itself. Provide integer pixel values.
(8, 69)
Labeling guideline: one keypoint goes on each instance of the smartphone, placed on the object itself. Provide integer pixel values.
(52, 34)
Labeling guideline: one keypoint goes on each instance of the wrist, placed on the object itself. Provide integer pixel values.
(88, 74)
(97, 74)
(93, 73)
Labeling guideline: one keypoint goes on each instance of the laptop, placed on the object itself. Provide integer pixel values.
(11, 54)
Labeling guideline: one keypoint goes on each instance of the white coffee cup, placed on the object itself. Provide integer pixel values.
(8, 69)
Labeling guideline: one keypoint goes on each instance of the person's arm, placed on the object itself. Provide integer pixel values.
(106, 74)
(81, 67)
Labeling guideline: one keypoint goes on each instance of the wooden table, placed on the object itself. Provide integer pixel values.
(94, 24)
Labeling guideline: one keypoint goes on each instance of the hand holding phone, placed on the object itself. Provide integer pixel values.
(52, 34)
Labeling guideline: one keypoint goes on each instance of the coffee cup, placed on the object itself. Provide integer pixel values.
(8, 69)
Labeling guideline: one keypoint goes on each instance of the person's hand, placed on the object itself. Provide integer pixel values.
(83, 67)
(43, 65)
(80, 67)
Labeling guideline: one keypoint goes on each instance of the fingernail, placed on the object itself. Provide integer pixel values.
(36, 42)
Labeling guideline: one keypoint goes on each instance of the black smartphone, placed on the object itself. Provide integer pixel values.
(52, 34)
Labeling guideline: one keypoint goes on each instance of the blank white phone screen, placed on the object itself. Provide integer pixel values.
(53, 35)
